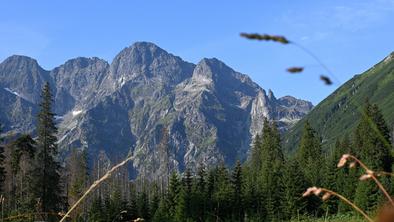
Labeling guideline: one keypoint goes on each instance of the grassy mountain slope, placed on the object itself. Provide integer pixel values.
(338, 114)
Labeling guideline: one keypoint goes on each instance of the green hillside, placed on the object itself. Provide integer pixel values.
(338, 114)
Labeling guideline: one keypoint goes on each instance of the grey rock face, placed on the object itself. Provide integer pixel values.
(23, 75)
(77, 81)
(169, 114)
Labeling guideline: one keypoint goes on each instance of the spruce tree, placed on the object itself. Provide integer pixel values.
(200, 200)
(162, 212)
(143, 206)
(181, 206)
(22, 155)
(188, 191)
(96, 211)
(294, 183)
(310, 155)
(310, 159)
(173, 192)
(154, 201)
(2, 160)
(371, 140)
(45, 182)
(255, 158)
(78, 175)
(222, 194)
(237, 192)
(271, 170)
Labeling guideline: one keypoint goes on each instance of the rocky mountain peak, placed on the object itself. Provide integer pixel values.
(271, 95)
(19, 61)
(23, 76)
(144, 61)
(209, 111)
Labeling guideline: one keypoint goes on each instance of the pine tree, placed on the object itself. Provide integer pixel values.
(255, 158)
(200, 200)
(22, 154)
(222, 194)
(155, 201)
(45, 183)
(331, 177)
(96, 212)
(309, 156)
(347, 178)
(143, 206)
(295, 184)
(371, 139)
(181, 206)
(2, 159)
(188, 191)
(132, 204)
(237, 192)
(271, 171)
(252, 199)
(173, 192)
(162, 212)
(78, 175)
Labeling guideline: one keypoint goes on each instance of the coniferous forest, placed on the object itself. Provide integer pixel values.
(37, 184)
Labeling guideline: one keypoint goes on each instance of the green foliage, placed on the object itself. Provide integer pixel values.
(294, 183)
(45, 185)
(2, 159)
(372, 141)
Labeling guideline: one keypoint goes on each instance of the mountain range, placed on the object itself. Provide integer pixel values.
(166, 112)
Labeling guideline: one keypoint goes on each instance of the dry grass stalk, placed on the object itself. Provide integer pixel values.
(95, 185)
(326, 80)
(284, 40)
(369, 173)
(265, 37)
(328, 193)
(295, 69)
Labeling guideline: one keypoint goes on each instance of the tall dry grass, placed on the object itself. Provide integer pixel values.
(94, 186)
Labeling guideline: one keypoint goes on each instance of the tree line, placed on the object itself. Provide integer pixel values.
(35, 184)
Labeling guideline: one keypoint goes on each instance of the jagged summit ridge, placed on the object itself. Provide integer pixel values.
(209, 111)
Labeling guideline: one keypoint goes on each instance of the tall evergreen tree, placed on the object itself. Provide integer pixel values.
(310, 159)
(188, 191)
(200, 201)
(255, 158)
(78, 178)
(22, 155)
(96, 211)
(173, 192)
(295, 184)
(162, 212)
(271, 171)
(347, 178)
(143, 206)
(310, 155)
(2, 160)
(371, 140)
(237, 192)
(45, 182)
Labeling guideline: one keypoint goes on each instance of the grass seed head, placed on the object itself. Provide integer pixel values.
(326, 80)
(365, 177)
(265, 37)
(295, 69)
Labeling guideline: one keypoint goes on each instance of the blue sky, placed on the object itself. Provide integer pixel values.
(349, 36)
